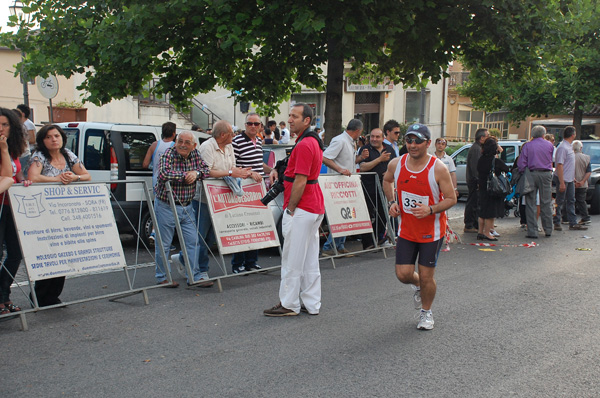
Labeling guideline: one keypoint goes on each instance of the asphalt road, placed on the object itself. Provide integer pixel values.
(509, 321)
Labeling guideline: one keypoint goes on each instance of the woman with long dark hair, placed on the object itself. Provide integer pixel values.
(52, 162)
(12, 145)
(489, 207)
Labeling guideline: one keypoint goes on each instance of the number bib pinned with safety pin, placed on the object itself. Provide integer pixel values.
(410, 200)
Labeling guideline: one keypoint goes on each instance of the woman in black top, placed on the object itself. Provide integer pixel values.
(489, 207)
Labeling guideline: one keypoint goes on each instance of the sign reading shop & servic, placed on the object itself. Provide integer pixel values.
(66, 230)
(240, 223)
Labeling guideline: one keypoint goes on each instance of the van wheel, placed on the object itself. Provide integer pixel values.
(147, 227)
(595, 202)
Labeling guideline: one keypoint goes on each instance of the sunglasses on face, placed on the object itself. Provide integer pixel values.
(255, 124)
(416, 140)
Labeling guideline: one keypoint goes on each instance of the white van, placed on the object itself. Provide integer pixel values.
(116, 152)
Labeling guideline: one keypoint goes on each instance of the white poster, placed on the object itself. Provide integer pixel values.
(66, 229)
(345, 205)
(240, 223)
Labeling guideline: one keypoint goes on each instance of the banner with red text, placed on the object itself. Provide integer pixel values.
(240, 223)
(345, 205)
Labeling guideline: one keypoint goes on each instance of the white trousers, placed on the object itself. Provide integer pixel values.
(300, 274)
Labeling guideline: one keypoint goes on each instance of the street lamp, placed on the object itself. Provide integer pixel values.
(16, 9)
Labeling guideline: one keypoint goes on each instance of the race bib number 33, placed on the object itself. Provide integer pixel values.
(410, 200)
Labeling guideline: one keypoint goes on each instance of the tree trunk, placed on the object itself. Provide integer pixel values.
(578, 117)
(335, 88)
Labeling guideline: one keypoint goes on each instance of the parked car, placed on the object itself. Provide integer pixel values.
(592, 148)
(116, 152)
(511, 150)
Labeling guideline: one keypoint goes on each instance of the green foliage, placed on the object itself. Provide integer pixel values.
(264, 51)
(69, 104)
(495, 133)
(453, 147)
(563, 72)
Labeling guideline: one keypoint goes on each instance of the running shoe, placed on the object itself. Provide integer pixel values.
(416, 297)
(426, 322)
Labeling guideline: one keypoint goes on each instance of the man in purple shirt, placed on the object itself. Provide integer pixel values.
(536, 155)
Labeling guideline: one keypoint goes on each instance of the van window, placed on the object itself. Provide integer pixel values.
(136, 145)
(96, 150)
(508, 154)
(72, 140)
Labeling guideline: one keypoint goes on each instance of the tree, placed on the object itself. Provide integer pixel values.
(565, 74)
(264, 50)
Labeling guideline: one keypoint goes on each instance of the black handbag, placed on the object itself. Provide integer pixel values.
(498, 186)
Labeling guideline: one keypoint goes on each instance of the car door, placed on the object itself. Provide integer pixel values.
(460, 160)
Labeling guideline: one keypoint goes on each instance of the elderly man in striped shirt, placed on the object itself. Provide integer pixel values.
(247, 148)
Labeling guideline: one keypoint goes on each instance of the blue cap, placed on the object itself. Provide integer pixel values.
(420, 130)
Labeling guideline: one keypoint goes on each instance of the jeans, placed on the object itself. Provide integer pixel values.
(204, 227)
(339, 243)
(247, 259)
(471, 206)
(166, 226)
(8, 234)
(580, 205)
(568, 196)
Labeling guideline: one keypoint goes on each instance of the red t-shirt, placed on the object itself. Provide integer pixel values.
(306, 159)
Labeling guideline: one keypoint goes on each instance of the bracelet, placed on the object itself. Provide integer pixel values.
(430, 210)
(391, 203)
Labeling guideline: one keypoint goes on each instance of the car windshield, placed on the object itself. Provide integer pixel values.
(593, 150)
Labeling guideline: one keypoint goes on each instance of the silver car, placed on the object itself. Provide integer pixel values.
(511, 150)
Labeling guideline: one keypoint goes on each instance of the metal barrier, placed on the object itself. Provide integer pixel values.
(129, 270)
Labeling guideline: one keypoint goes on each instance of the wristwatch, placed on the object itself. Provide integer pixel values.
(391, 203)
(197, 174)
(230, 173)
(288, 211)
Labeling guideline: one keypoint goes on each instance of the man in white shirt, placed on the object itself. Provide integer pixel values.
(285, 133)
(440, 153)
(339, 157)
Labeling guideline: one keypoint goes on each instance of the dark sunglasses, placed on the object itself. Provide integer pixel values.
(416, 140)
(255, 124)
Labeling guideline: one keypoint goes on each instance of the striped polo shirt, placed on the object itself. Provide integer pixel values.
(247, 153)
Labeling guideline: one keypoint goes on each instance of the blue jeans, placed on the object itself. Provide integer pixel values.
(204, 227)
(166, 226)
(248, 259)
(568, 196)
(339, 243)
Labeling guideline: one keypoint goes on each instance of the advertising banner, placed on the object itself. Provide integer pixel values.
(345, 205)
(240, 223)
(66, 229)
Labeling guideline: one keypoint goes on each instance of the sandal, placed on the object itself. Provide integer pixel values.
(11, 307)
(4, 310)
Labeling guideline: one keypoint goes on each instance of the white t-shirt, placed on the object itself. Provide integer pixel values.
(447, 160)
(341, 151)
(285, 136)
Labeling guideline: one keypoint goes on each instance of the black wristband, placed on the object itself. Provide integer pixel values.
(430, 210)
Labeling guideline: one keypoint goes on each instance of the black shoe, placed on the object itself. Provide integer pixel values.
(531, 236)
(238, 270)
(255, 266)
(480, 236)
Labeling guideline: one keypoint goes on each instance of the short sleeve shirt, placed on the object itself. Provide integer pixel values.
(447, 160)
(566, 157)
(306, 159)
(341, 151)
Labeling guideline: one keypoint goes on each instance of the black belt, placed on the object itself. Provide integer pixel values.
(178, 203)
(290, 179)
(540, 170)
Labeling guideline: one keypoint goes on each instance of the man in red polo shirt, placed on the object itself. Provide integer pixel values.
(300, 287)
